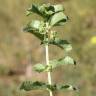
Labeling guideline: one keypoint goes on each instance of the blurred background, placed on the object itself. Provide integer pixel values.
(19, 51)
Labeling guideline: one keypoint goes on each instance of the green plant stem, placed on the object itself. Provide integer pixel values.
(49, 73)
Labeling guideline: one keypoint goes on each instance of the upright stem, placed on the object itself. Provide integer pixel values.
(49, 73)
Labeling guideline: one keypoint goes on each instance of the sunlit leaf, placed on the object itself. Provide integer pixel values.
(42, 68)
(35, 24)
(39, 67)
(58, 8)
(58, 18)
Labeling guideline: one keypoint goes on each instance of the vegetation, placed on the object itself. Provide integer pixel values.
(53, 15)
(16, 47)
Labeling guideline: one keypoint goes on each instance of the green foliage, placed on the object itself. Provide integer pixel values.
(38, 29)
(45, 10)
(81, 28)
(58, 19)
(35, 27)
(63, 44)
(53, 64)
(40, 68)
(53, 15)
(62, 61)
(69, 87)
(29, 85)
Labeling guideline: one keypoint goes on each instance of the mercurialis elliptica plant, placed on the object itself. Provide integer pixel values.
(53, 16)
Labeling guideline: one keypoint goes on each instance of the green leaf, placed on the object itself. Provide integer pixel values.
(34, 8)
(58, 8)
(36, 28)
(63, 44)
(39, 67)
(42, 68)
(46, 9)
(29, 85)
(34, 32)
(35, 24)
(68, 87)
(62, 61)
(69, 60)
(58, 18)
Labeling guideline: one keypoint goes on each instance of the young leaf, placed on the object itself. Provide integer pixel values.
(44, 10)
(39, 67)
(34, 8)
(58, 18)
(42, 68)
(58, 8)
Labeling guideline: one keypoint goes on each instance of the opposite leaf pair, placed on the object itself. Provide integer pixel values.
(53, 64)
(29, 85)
